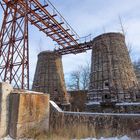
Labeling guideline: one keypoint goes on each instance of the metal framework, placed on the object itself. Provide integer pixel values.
(14, 66)
(14, 49)
(82, 47)
(52, 24)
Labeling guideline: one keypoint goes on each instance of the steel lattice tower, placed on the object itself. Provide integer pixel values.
(14, 55)
(14, 62)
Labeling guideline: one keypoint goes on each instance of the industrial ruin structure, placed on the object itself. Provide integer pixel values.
(49, 77)
(14, 39)
(113, 92)
(112, 76)
(14, 44)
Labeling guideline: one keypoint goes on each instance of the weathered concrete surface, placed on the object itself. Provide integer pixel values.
(5, 90)
(102, 124)
(29, 114)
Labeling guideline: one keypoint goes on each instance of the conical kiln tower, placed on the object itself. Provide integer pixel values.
(112, 76)
(49, 77)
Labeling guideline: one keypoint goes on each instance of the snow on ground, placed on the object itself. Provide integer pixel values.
(128, 104)
(56, 106)
(93, 103)
(115, 138)
(6, 138)
(9, 138)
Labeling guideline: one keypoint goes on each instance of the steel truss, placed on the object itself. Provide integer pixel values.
(14, 62)
(14, 49)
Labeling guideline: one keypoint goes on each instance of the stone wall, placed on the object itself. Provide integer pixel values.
(131, 108)
(100, 124)
(78, 100)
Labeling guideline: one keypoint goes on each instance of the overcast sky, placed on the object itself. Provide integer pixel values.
(90, 17)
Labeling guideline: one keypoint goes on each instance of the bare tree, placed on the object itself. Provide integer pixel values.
(79, 79)
(39, 48)
(124, 31)
(136, 65)
(74, 80)
(122, 26)
(85, 76)
(130, 48)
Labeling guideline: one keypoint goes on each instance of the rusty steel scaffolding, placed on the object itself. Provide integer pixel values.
(14, 46)
(14, 66)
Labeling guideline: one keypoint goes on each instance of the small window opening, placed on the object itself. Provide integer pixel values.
(107, 96)
(106, 84)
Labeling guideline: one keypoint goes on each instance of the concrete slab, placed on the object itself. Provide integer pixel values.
(5, 90)
(29, 114)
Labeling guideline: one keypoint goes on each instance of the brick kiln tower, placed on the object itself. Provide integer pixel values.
(112, 76)
(49, 77)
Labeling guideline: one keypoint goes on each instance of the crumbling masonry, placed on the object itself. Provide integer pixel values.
(49, 77)
(112, 76)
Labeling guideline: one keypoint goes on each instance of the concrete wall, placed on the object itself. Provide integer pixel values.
(26, 114)
(23, 113)
(29, 114)
(100, 124)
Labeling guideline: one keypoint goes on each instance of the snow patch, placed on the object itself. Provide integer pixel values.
(9, 138)
(113, 138)
(93, 103)
(128, 104)
(56, 106)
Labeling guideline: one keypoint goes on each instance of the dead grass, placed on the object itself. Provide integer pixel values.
(65, 133)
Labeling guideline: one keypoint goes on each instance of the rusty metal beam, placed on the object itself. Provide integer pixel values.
(83, 47)
(14, 51)
(53, 19)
